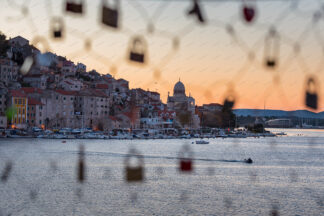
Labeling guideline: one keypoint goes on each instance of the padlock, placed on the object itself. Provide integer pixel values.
(196, 11)
(229, 102)
(109, 14)
(186, 165)
(271, 63)
(138, 49)
(6, 173)
(311, 99)
(39, 40)
(57, 26)
(185, 159)
(81, 165)
(248, 11)
(134, 173)
(27, 65)
(271, 49)
(74, 7)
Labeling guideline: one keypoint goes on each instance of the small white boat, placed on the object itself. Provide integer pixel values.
(201, 142)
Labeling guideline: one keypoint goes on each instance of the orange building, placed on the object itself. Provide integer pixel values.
(19, 100)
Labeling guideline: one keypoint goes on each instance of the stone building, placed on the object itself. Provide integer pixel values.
(184, 106)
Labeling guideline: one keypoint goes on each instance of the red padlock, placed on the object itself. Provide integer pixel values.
(248, 13)
(186, 165)
(249, 10)
(185, 161)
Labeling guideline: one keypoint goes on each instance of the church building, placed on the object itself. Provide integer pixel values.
(183, 105)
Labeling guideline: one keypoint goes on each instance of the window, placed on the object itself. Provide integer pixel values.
(64, 98)
(40, 121)
(56, 97)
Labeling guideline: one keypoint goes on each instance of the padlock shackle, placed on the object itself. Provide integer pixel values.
(41, 40)
(272, 45)
(57, 20)
(105, 4)
(75, 1)
(230, 95)
(134, 153)
(186, 153)
(312, 81)
(138, 45)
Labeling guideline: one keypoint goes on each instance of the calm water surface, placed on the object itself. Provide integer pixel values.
(287, 176)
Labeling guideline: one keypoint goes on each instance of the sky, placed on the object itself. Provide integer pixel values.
(224, 56)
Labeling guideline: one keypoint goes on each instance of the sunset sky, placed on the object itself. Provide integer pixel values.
(208, 60)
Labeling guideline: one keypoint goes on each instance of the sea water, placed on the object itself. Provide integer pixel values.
(286, 177)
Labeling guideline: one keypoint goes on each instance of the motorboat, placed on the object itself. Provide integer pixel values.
(249, 161)
(202, 142)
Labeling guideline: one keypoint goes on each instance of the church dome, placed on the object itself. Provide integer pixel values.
(179, 89)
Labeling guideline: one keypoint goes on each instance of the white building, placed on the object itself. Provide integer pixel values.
(8, 71)
(36, 80)
(70, 84)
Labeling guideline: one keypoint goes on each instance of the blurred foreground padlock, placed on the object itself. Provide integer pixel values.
(134, 173)
(248, 10)
(138, 50)
(311, 94)
(271, 48)
(110, 14)
(229, 101)
(196, 11)
(185, 159)
(81, 165)
(74, 7)
(57, 27)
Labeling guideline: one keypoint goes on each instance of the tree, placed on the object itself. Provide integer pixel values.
(4, 45)
(228, 117)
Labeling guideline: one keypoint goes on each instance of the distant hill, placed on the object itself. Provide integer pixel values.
(278, 113)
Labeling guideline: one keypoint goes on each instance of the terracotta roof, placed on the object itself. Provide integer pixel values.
(68, 82)
(213, 104)
(63, 92)
(32, 101)
(122, 80)
(98, 93)
(102, 86)
(17, 93)
(68, 63)
(29, 90)
(113, 118)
